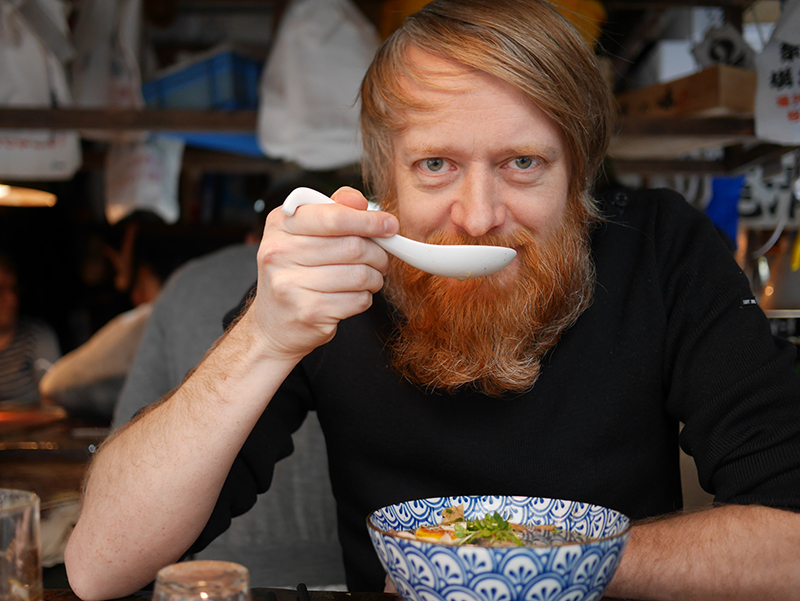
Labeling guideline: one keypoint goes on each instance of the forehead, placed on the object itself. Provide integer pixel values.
(429, 79)
(448, 96)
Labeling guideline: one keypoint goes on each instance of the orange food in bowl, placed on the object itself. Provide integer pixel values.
(433, 534)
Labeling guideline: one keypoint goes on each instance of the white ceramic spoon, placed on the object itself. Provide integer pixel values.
(452, 261)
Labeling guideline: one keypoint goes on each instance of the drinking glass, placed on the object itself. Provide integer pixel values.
(20, 554)
(203, 581)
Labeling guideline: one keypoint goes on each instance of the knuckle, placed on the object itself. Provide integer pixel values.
(360, 277)
(376, 283)
(352, 248)
(282, 287)
(365, 278)
(337, 220)
(307, 313)
(268, 253)
(364, 301)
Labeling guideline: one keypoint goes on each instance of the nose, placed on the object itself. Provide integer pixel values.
(478, 208)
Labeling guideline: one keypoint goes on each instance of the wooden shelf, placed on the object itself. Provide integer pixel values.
(641, 144)
(652, 141)
(244, 121)
(129, 120)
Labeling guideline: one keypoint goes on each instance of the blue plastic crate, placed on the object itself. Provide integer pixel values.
(223, 81)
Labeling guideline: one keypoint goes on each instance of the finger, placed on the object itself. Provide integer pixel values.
(342, 250)
(339, 220)
(354, 198)
(324, 309)
(284, 250)
(334, 279)
(327, 295)
(350, 197)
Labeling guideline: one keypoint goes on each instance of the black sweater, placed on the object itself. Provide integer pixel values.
(674, 335)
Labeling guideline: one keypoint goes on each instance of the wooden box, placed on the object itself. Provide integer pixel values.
(718, 90)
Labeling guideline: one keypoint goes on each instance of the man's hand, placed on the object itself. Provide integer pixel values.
(317, 268)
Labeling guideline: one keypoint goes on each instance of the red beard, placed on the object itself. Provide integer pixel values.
(491, 332)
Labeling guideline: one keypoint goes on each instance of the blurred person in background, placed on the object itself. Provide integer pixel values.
(28, 347)
(87, 381)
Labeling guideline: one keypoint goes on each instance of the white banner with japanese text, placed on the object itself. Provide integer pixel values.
(777, 117)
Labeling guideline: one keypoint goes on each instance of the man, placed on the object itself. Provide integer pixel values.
(564, 375)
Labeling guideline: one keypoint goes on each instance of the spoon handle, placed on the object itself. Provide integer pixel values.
(303, 196)
(454, 261)
(307, 196)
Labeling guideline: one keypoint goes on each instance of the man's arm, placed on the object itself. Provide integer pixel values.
(153, 486)
(731, 552)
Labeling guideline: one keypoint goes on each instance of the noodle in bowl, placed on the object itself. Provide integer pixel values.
(423, 570)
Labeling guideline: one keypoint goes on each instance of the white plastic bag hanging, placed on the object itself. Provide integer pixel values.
(143, 176)
(105, 71)
(31, 76)
(777, 117)
(308, 111)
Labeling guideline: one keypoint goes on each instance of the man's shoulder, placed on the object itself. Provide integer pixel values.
(228, 262)
(655, 213)
(627, 204)
(214, 274)
(204, 289)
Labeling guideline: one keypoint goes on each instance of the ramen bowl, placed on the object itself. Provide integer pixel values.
(559, 571)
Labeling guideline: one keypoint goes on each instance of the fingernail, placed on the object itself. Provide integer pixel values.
(391, 225)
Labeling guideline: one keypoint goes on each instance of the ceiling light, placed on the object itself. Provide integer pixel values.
(14, 196)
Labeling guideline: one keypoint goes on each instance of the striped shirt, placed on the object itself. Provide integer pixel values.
(24, 362)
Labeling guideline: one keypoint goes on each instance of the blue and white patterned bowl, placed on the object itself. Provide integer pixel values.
(425, 571)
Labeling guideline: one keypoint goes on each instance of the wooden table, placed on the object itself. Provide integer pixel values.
(259, 594)
(44, 451)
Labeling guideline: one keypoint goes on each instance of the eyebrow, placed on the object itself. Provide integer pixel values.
(547, 151)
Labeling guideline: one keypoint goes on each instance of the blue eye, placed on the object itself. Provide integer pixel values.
(434, 165)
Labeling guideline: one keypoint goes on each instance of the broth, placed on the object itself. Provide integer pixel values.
(493, 530)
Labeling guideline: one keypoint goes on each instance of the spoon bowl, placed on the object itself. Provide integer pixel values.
(447, 260)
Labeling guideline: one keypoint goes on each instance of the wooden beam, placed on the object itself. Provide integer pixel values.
(636, 137)
(199, 160)
(246, 121)
(741, 159)
(129, 120)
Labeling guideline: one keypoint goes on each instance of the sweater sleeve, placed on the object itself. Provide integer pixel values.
(729, 380)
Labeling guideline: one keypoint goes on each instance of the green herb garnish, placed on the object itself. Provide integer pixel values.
(492, 528)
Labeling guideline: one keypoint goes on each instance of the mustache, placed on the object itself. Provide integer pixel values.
(515, 239)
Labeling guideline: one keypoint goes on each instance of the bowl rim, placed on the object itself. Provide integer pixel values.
(625, 532)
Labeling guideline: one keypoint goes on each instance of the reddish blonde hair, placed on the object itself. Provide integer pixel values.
(525, 43)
